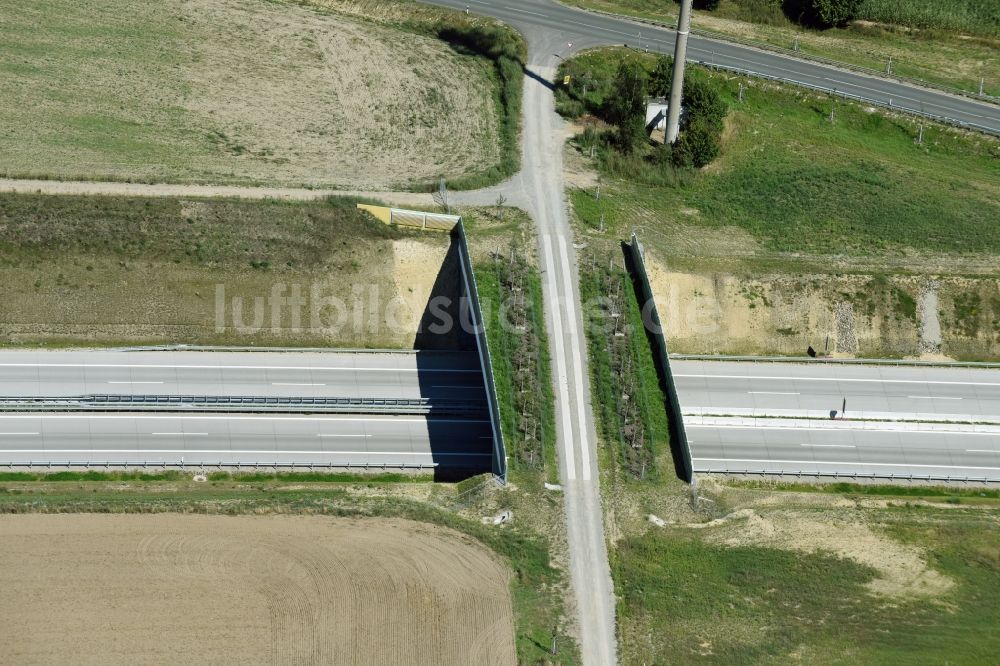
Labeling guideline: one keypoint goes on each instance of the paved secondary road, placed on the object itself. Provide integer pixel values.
(565, 25)
(436, 375)
(871, 391)
(172, 439)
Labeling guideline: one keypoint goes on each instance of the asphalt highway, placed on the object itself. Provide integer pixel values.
(871, 391)
(776, 417)
(567, 25)
(173, 439)
(794, 447)
(453, 376)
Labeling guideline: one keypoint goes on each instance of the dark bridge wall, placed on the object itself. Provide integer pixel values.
(658, 341)
(475, 317)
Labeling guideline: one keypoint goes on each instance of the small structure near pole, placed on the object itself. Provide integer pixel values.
(656, 118)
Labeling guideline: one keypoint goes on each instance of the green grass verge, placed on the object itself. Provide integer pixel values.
(686, 600)
(534, 585)
(793, 182)
(513, 310)
(629, 404)
(877, 490)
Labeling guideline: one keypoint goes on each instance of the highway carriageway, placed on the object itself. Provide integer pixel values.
(445, 375)
(200, 434)
(925, 421)
(133, 440)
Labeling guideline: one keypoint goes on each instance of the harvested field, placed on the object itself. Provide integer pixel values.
(236, 92)
(276, 589)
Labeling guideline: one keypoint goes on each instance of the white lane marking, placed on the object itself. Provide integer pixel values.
(771, 393)
(323, 434)
(17, 434)
(455, 386)
(221, 417)
(841, 429)
(135, 382)
(824, 462)
(830, 446)
(295, 384)
(235, 367)
(562, 379)
(840, 379)
(525, 11)
(252, 451)
(930, 397)
(576, 345)
(982, 451)
(180, 434)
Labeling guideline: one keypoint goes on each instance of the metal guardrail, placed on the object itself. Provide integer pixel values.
(850, 475)
(858, 98)
(835, 361)
(809, 57)
(301, 350)
(187, 403)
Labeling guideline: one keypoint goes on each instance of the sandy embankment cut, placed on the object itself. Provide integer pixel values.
(278, 589)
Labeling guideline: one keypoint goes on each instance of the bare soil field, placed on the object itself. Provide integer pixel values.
(235, 92)
(100, 271)
(249, 589)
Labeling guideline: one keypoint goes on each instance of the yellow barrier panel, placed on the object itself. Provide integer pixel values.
(380, 212)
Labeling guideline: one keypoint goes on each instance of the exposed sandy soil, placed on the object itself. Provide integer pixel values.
(902, 569)
(236, 92)
(866, 315)
(99, 589)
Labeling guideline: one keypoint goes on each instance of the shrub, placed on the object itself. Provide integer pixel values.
(627, 106)
(696, 146)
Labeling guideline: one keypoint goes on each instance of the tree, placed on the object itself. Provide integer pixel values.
(836, 12)
(627, 105)
(703, 104)
(697, 145)
(663, 74)
(821, 13)
(707, 5)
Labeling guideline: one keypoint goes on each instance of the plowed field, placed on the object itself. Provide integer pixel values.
(166, 588)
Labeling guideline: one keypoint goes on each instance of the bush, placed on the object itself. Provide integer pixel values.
(696, 146)
(627, 106)
(821, 13)
(703, 104)
(661, 76)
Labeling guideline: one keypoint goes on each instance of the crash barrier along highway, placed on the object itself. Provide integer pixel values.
(243, 404)
(655, 333)
(453, 224)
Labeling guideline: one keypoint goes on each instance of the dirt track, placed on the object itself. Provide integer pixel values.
(279, 589)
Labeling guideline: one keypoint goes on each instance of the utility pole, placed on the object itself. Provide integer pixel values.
(677, 85)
